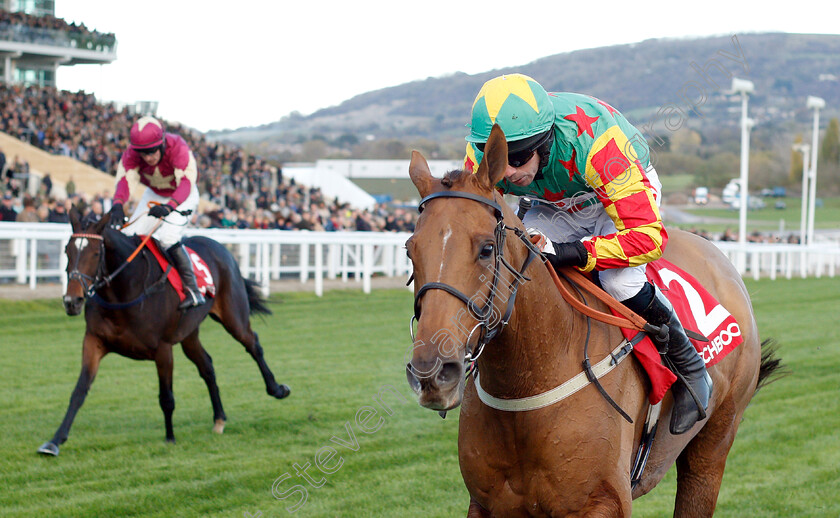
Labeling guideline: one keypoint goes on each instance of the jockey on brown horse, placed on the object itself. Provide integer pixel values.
(165, 164)
(597, 198)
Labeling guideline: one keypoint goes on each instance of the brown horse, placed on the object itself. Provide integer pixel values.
(131, 310)
(573, 457)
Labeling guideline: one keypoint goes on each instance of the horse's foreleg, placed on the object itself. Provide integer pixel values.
(202, 360)
(92, 352)
(163, 360)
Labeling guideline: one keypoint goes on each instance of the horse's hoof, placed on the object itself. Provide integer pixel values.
(48, 448)
(281, 391)
(170, 440)
(219, 426)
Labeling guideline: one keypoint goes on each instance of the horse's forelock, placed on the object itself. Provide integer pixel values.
(456, 176)
(458, 179)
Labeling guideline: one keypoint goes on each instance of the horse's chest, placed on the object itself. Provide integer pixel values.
(128, 340)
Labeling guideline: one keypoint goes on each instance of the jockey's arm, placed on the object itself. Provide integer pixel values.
(625, 193)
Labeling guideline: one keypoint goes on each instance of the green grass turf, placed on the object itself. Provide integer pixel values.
(337, 353)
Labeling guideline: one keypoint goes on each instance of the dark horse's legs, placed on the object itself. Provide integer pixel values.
(196, 353)
(92, 352)
(163, 360)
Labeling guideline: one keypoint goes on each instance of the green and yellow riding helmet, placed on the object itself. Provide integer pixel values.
(521, 107)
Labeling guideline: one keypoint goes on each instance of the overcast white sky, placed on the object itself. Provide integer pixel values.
(216, 65)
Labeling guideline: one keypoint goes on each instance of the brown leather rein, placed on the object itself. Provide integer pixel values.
(628, 320)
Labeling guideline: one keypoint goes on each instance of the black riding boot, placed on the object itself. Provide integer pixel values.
(182, 263)
(652, 305)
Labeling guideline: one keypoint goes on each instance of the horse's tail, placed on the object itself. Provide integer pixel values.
(771, 367)
(256, 303)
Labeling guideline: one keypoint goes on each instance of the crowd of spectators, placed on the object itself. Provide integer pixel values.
(49, 30)
(245, 191)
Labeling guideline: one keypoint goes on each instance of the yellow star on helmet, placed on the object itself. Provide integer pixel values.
(158, 181)
(496, 91)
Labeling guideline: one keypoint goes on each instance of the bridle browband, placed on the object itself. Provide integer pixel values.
(488, 330)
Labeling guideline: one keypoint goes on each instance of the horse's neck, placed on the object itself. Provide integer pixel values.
(118, 248)
(538, 348)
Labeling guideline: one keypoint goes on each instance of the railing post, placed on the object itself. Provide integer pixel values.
(33, 263)
(368, 266)
(245, 259)
(319, 269)
(304, 262)
(19, 249)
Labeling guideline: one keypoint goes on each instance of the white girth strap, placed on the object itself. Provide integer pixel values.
(556, 394)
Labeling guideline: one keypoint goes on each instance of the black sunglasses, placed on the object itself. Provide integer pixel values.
(520, 158)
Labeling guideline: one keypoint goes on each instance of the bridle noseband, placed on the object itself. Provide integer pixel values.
(486, 331)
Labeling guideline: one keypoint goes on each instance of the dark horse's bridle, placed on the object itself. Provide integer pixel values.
(92, 284)
(482, 314)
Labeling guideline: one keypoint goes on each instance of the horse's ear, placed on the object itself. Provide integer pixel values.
(102, 223)
(420, 174)
(75, 218)
(493, 165)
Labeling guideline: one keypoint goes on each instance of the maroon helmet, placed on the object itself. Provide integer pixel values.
(146, 134)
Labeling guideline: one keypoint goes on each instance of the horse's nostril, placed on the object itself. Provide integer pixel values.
(450, 373)
(413, 382)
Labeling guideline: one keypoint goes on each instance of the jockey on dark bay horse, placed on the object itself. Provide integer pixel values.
(165, 164)
(597, 202)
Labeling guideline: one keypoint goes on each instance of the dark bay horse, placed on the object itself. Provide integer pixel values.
(136, 315)
(572, 457)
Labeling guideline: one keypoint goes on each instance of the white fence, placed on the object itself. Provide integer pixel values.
(34, 252)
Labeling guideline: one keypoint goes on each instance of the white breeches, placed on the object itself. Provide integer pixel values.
(172, 227)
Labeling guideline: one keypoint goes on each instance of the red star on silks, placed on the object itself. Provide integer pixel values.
(583, 121)
(570, 165)
(607, 106)
(553, 196)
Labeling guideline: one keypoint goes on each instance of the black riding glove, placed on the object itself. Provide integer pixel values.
(568, 254)
(160, 211)
(117, 216)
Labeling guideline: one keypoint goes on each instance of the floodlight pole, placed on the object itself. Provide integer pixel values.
(745, 88)
(814, 103)
(804, 149)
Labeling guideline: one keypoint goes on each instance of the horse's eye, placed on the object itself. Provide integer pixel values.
(486, 251)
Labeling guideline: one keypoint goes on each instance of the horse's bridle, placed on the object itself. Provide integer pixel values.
(483, 314)
(89, 284)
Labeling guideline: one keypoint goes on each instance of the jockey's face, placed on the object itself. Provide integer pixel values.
(524, 174)
(151, 159)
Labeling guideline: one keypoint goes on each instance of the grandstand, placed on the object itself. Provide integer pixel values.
(34, 43)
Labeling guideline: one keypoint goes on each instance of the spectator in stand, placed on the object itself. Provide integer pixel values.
(59, 213)
(46, 182)
(28, 214)
(7, 212)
